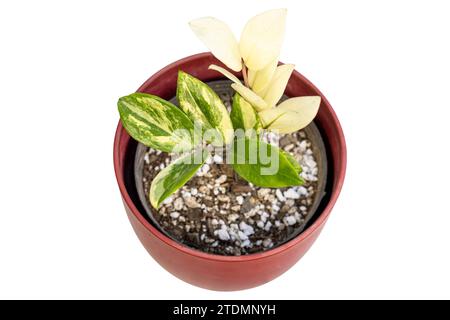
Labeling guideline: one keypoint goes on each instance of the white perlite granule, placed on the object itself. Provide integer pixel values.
(291, 194)
(223, 234)
(247, 229)
(280, 195)
(290, 220)
(174, 215)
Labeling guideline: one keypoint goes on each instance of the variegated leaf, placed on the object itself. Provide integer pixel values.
(155, 122)
(202, 104)
(174, 176)
(243, 115)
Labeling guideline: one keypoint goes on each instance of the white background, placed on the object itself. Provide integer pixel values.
(383, 65)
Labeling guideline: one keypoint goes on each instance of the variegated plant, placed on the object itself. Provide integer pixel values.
(163, 126)
(256, 56)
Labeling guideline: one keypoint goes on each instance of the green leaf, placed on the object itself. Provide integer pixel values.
(202, 104)
(243, 116)
(156, 122)
(174, 176)
(263, 164)
(293, 161)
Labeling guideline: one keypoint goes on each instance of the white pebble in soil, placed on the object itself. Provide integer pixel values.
(222, 234)
(168, 200)
(191, 203)
(291, 194)
(290, 220)
(236, 208)
(246, 243)
(302, 191)
(217, 159)
(174, 215)
(264, 216)
(267, 242)
(178, 204)
(203, 170)
(233, 217)
(185, 194)
(247, 229)
(242, 236)
(221, 179)
(279, 195)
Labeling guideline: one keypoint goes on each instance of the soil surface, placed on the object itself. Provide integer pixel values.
(218, 212)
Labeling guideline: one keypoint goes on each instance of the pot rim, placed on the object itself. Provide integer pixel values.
(335, 191)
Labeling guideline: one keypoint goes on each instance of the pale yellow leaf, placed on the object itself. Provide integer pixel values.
(262, 38)
(256, 101)
(291, 115)
(278, 84)
(263, 77)
(225, 72)
(218, 37)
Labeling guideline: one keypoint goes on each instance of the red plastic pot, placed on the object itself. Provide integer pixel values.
(228, 272)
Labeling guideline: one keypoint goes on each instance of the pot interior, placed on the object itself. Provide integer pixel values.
(135, 164)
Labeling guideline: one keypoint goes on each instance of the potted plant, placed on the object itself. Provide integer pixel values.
(223, 189)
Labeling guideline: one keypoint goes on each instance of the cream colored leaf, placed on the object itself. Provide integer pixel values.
(263, 77)
(262, 38)
(278, 84)
(225, 72)
(291, 115)
(256, 101)
(218, 37)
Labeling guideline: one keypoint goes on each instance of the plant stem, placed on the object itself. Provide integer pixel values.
(244, 75)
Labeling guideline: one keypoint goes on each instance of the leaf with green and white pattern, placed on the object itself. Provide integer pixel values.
(174, 176)
(202, 104)
(243, 116)
(156, 122)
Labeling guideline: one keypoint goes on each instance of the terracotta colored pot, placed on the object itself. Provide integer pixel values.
(228, 272)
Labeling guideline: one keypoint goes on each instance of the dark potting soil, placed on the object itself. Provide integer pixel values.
(218, 212)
